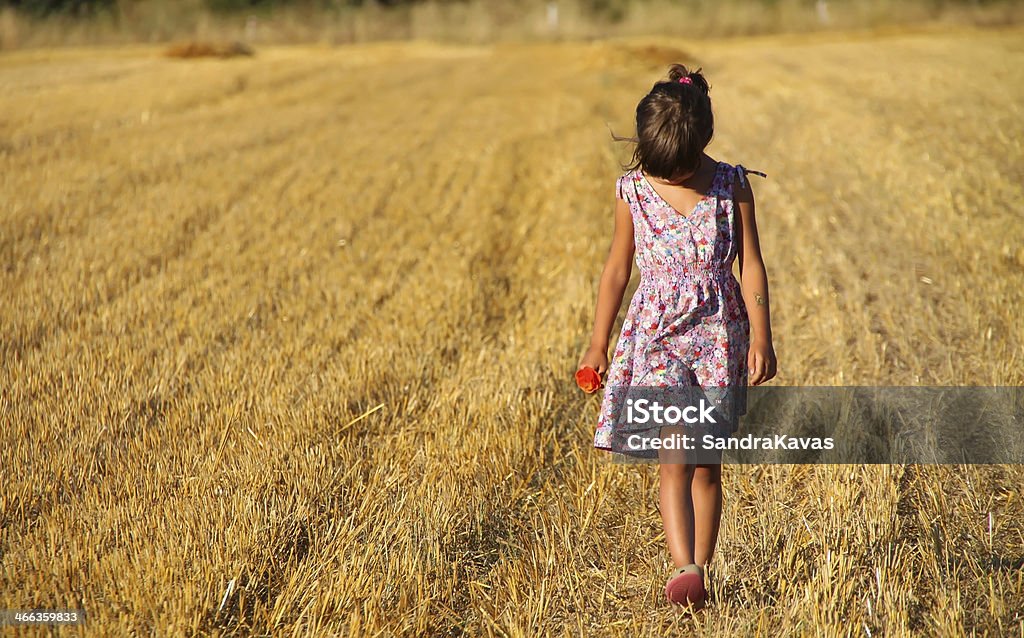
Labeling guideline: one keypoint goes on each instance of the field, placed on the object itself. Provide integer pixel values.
(287, 341)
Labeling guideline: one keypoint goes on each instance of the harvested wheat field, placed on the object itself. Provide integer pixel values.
(288, 340)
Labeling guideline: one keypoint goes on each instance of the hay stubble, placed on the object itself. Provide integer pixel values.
(214, 268)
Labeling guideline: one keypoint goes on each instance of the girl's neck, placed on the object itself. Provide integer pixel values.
(695, 180)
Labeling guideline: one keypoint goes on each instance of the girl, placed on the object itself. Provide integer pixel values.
(686, 217)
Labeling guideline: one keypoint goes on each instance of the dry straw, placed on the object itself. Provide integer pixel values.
(288, 343)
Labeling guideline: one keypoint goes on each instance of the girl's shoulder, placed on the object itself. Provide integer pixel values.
(729, 175)
(737, 175)
(623, 186)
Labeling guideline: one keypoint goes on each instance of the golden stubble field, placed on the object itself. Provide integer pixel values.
(287, 341)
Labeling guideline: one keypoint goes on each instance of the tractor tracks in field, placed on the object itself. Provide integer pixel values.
(481, 238)
(424, 238)
(108, 449)
(104, 193)
(204, 109)
(158, 408)
(471, 232)
(194, 225)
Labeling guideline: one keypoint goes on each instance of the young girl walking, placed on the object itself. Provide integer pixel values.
(685, 217)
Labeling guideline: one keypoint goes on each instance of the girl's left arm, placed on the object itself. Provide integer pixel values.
(761, 362)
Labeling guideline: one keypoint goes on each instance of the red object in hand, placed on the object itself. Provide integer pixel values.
(588, 379)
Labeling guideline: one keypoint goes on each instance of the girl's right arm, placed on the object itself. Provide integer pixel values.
(614, 279)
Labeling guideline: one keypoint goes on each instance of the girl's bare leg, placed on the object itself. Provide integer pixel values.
(677, 511)
(706, 495)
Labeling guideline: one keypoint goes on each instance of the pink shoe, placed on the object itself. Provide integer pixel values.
(686, 587)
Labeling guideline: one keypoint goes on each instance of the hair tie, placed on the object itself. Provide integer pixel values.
(686, 80)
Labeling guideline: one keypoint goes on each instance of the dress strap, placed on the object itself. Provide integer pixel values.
(741, 173)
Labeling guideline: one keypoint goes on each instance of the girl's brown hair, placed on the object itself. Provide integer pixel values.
(674, 124)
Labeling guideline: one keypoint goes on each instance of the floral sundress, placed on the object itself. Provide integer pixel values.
(686, 324)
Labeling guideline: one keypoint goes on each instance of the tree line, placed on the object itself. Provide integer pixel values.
(93, 7)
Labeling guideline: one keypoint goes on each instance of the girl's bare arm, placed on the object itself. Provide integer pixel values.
(614, 279)
(761, 360)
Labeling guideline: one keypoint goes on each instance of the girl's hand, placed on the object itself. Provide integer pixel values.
(595, 358)
(761, 363)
